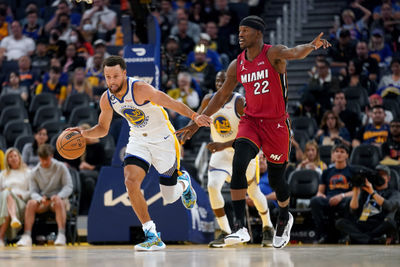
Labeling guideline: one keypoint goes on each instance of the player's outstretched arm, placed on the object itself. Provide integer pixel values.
(224, 92)
(103, 124)
(299, 51)
(148, 92)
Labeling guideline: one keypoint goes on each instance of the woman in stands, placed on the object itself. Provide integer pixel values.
(29, 152)
(79, 84)
(332, 130)
(14, 192)
(311, 159)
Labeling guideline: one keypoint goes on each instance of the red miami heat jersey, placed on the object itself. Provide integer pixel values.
(266, 89)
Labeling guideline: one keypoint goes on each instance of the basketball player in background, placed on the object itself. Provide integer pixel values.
(151, 142)
(224, 128)
(261, 69)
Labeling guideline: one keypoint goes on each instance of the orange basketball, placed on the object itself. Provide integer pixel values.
(71, 144)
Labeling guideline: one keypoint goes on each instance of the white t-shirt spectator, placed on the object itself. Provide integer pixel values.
(17, 48)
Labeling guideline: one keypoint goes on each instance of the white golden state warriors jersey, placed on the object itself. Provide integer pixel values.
(149, 120)
(225, 121)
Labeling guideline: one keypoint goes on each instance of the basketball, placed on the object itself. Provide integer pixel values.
(71, 144)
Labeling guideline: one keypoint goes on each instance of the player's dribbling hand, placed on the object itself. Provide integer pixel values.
(186, 132)
(76, 129)
(318, 42)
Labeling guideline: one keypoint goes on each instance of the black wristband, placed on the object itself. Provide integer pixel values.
(373, 193)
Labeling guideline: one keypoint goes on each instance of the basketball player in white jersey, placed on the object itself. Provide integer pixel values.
(224, 128)
(151, 142)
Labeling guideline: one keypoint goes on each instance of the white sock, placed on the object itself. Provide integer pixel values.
(149, 226)
(224, 224)
(266, 220)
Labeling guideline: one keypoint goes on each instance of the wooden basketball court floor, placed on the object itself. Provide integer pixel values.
(201, 256)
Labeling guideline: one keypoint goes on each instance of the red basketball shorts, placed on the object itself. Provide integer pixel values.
(272, 136)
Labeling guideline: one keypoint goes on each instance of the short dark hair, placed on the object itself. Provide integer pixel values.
(341, 146)
(55, 69)
(112, 61)
(378, 107)
(45, 151)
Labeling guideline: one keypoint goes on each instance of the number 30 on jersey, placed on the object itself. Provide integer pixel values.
(263, 86)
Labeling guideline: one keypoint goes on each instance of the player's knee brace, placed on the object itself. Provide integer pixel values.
(245, 151)
(277, 180)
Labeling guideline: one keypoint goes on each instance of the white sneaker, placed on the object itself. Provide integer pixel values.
(240, 236)
(15, 223)
(25, 241)
(2, 244)
(282, 233)
(60, 240)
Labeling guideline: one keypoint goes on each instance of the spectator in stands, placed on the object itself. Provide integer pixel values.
(227, 35)
(378, 49)
(39, 21)
(95, 73)
(390, 84)
(16, 45)
(27, 77)
(212, 31)
(374, 133)
(311, 159)
(391, 148)
(394, 9)
(186, 43)
(353, 78)
(14, 192)
(323, 85)
(196, 14)
(333, 193)
(29, 151)
(212, 56)
(50, 186)
(342, 51)
(99, 47)
(13, 86)
(202, 71)
(53, 86)
(369, 65)
(390, 26)
(171, 62)
(168, 12)
(4, 31)
(32, 28)
(40, 59)
(356, 28)
(186, 95)
(350, 119)
(56, 47)
(79, 84)
(65, 27)
(63, 8)
(56, 62)
(193, 30)
(375, 100)
(332, 130)
(103, 19)
(309, 107)
(83, 48)
(374, 207)
(72, 60)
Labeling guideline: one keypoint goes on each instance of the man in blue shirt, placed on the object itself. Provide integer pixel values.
(334, 192)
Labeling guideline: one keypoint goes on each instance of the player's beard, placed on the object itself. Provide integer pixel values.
(118, 89)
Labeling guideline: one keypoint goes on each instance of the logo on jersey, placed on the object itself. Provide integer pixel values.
(222, 126)
(243, 68)
(275, 157)
(112, 98)
(254, 76)
(260, 63)
(136, 117)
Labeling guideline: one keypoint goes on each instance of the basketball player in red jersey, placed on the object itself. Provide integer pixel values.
(261, 69)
